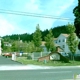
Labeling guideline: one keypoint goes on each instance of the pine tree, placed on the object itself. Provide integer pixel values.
(37, 38)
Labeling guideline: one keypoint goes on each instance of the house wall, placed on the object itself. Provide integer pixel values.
(61, 41)
(44, 58)
(55, 56)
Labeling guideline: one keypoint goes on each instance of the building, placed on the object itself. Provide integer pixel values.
(7, 44)
(61, 41)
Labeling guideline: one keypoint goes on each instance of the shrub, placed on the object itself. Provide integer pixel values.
(64, 59)
(28, 56)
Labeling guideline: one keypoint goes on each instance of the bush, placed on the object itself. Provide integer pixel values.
(28, 56)
(24, 55)
(64, 59)
(77, 57)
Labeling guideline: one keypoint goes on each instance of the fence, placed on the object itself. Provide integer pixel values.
(37, 55)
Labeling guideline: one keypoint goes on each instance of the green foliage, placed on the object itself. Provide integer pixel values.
(29, 37)
(70, 28)
(50, 41)
(76, 12)
(72, 42)
(37, 38)
(28, 56)
(64, 59)
(14, 46)
(30, 47)
(2, 43)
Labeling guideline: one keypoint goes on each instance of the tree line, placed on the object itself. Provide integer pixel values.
(29, 37)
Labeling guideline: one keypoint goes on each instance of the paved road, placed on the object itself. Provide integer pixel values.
(8, 61)
(32, 72)
(40, 74)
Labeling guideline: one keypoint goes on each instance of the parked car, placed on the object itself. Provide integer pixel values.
(7, 54)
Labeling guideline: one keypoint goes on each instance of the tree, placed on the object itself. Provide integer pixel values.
(14, 46)
(49, 39)
(76, 12)
(2, 44)
(30, 47)
(70, 28)
(72, 40)
(37, 38)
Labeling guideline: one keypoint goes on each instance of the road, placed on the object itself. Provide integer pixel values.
(39, 74)
(33, 72)
(8, 61)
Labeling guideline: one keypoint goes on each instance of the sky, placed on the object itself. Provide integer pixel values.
(20, 24)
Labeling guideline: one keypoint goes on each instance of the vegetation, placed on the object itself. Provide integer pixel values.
(49, 39)
(24, 60)
(32, 42)
(37, 39)
(76, 12)
(29, 37)
(72, 40)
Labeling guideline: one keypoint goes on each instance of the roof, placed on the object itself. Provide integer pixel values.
(55, 38)
(43, 43)
(66, 35)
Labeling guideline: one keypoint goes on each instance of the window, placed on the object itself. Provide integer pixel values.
(63, 40)
(59, 41)
(63, 46)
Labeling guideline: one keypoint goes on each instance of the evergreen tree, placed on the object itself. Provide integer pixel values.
(76, 12)
(37, 38)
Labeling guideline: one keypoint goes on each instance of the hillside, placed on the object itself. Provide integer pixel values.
(28, 37)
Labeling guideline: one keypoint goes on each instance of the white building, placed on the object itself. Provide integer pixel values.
(61, 41)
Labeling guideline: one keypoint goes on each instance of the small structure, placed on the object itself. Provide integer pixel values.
(52, 56)
(14, 56)
(55, 56)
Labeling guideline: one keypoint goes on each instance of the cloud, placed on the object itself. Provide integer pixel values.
(22, 24)
(55, 8)
(32, 6)
(5, 27)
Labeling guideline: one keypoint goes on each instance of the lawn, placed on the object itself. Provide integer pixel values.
(26, 61)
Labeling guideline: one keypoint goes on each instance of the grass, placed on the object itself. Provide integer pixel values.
(25, 61)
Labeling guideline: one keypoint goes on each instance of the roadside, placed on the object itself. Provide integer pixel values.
(25, 64)
(26, 61)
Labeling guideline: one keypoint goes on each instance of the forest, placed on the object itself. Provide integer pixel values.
(29, 37)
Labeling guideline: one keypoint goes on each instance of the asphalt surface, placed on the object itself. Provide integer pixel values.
(40, 74)
(8, 61)
(11, 70)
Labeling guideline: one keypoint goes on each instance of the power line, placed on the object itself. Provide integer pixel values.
(32, 14)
